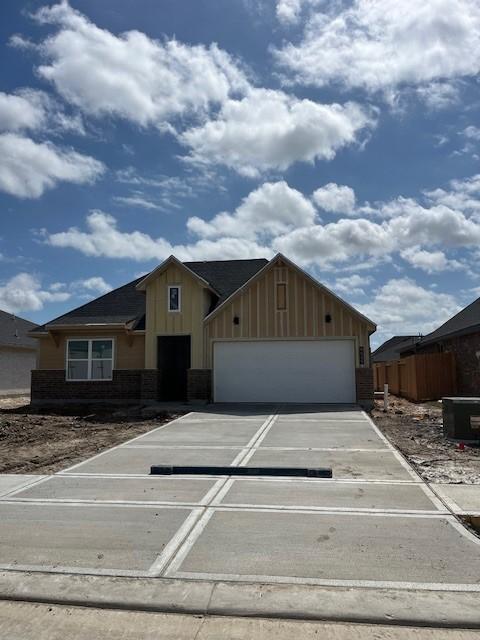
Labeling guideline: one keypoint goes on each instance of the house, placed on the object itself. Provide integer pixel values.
(390, 349)
(18, 354)
(227, 331)
(461, 336)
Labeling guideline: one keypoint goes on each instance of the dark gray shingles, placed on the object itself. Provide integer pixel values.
(226, 276)
(463, 322)
(126, 304)
(116, 307)
(13, 331)
(390, 349)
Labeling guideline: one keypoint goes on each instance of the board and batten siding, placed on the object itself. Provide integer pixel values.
(304, 317)
(195, 300)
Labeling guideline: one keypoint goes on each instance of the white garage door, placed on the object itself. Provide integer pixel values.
(284, 371)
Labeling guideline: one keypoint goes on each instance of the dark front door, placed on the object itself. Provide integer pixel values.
(173, 358)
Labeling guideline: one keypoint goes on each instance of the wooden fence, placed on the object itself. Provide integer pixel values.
(419, 377)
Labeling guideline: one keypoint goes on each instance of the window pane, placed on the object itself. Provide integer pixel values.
(101, 369)
(77, 370)
(174, 299)
(101, 349)
(78, 350)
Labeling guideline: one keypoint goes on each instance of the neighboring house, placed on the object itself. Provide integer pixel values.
(227, 331)
(18, 354)
(390, 349)
(459, 335)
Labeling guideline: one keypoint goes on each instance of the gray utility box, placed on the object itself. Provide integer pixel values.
(461, 418)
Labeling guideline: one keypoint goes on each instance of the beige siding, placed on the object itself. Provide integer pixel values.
(189, 321)
(304, 317)
(129, 349)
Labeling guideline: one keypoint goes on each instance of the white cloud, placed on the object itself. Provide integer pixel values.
(275, 217)
(29, 168)
(271, 209)
(23, 110)
(33, 110)
(335, 198)
(335, 242)
(378, 45)
(429, 261)
(138, 200)
(24, 292)
(269, 129)
(403, 307)
(352, 285)
(472, 132)
(131, 75)
(289, 11)
(439, 95)
(463, 195)
(103, 238)
(95, 284)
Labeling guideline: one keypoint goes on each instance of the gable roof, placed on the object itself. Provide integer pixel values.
(226, 276)
(316, 283)
(119, 306)
(14, 330)
(390, 349)
(465, 321)
(126, 305)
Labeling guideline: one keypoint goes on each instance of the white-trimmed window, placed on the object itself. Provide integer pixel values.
(90, 359)
(174, 298)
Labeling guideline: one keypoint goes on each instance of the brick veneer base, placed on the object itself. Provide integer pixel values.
(127, 385)
(199, 385)
(364, 387)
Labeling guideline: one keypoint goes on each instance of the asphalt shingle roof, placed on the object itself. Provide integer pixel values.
(126, 304)
(13, 331)
(465, 321)
(390, 349)
(226, 276)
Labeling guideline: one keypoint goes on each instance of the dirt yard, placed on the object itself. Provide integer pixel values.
(45, 441)
(417, 430)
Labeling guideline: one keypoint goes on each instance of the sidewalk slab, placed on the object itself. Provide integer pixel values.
(87, 538)
(381, 465)
(138, 460)
(148, 489)
(27, 621)
(327, 494)
(461, 498)
(12, 481)
(263, 546)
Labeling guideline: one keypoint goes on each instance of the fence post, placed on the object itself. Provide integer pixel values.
(385, 397)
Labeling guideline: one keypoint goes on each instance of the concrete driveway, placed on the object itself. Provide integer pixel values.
(374, 524)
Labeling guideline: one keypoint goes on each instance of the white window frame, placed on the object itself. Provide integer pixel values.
(89, 359)
(175, 286)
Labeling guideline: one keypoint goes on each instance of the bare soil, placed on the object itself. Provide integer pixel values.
(42, 440)
(417, 430)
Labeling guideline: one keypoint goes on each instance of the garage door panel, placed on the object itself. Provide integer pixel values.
(285, 371)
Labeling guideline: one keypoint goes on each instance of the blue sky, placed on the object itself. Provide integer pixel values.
(345, 135)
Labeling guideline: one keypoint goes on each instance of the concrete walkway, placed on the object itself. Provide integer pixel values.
(375, 525)
(24, 621)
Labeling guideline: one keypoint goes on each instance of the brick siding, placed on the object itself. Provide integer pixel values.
(364, 387)
(128, 385)
(199, 385)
